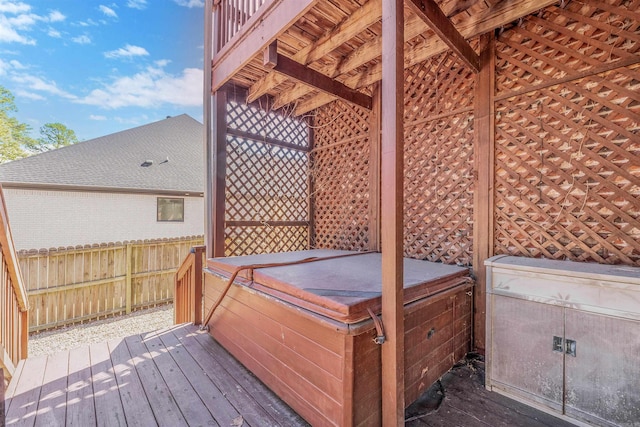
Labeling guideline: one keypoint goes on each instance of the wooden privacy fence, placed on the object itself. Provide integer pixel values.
(187, 306)
(77, 284)
(13, 304)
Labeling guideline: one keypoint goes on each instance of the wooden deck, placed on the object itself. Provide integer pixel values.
(173, 377)
(183, 377)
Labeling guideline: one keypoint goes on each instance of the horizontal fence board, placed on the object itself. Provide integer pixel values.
(73, 285)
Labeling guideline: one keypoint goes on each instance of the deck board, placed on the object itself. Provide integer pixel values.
(108, 405)
(166, 410)
(136, 406)
(53, 392)
(80, 406)
(181, 376)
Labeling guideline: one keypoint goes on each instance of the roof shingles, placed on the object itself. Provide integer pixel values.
(114, 161)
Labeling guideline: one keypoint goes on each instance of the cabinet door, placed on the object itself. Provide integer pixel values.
(603, 379)
(523, 361)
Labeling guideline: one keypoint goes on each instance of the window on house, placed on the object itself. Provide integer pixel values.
(170, 209)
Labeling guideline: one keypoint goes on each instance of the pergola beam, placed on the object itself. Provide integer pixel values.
(313, 78)
(351, 26)
(430, 13)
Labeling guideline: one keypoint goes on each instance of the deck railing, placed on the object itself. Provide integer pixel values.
(231, 15)
(187, 302)
(14, 319)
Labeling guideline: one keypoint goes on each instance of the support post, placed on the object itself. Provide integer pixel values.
(484, 149)
(127, 280)
(210, 40)
(374, 169)
(219, 171)
(391, 193)
(215, 146)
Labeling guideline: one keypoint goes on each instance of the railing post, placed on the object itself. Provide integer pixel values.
(128, 287)
(24, 335)
(197, 285)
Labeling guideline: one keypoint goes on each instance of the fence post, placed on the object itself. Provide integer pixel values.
(128, 286)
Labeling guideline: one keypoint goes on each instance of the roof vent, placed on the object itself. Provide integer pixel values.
(147, 163)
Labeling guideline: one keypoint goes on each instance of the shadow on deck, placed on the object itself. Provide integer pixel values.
(182, 377)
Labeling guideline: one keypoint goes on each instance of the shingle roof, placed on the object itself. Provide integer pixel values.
(114, 161)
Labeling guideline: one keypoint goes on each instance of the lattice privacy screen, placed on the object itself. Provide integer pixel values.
(340, 173)
(567, 172)
(267, 185)
(438, 181)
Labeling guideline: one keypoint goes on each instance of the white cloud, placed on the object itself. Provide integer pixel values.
(54, 33)
(56, 16)
(88, 23)
(127, 51)
(137, 4)
(97, 117)
(16, 20)
(190, 3)
(30, 95)
(150, 88)
(7, 66)
(14, 7)
(37, 84)
(108, 11)
(17, 65)
(83, 39)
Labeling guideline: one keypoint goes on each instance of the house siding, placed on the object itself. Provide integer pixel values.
(46, 219)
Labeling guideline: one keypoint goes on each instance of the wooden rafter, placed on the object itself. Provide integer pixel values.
(308, 76)
(351, 26)
(430, 13)
(500, 14)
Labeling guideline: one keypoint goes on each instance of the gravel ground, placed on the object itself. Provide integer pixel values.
(69, 337)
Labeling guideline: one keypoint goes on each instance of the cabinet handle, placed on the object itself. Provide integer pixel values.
(570, 347)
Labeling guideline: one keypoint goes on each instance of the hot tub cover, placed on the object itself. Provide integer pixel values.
(339, 288)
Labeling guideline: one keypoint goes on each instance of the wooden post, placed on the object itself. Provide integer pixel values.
(311, 192)
(483, 194)
(219, 171)
(127, 280)
(24, 334)
(374, 170)
(210, 41)
(391, 193)
(197, 285)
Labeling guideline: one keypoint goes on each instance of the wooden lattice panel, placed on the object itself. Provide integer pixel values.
(265, 239)
(567, 180)
(259, 121)
(340, 173)
(584, 36)
(266, 184)
(438, 182)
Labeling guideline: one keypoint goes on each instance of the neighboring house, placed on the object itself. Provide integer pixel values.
(142, 183)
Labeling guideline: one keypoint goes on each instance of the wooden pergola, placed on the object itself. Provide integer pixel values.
(304, 54)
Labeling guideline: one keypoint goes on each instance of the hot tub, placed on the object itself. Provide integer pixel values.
(305, 330)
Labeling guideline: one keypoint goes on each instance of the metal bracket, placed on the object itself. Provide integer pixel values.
(557, 344)
(380, 337)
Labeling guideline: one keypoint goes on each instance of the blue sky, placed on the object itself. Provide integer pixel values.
(101, 67)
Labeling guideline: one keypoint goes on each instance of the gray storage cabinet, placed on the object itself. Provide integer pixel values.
(565, 337)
